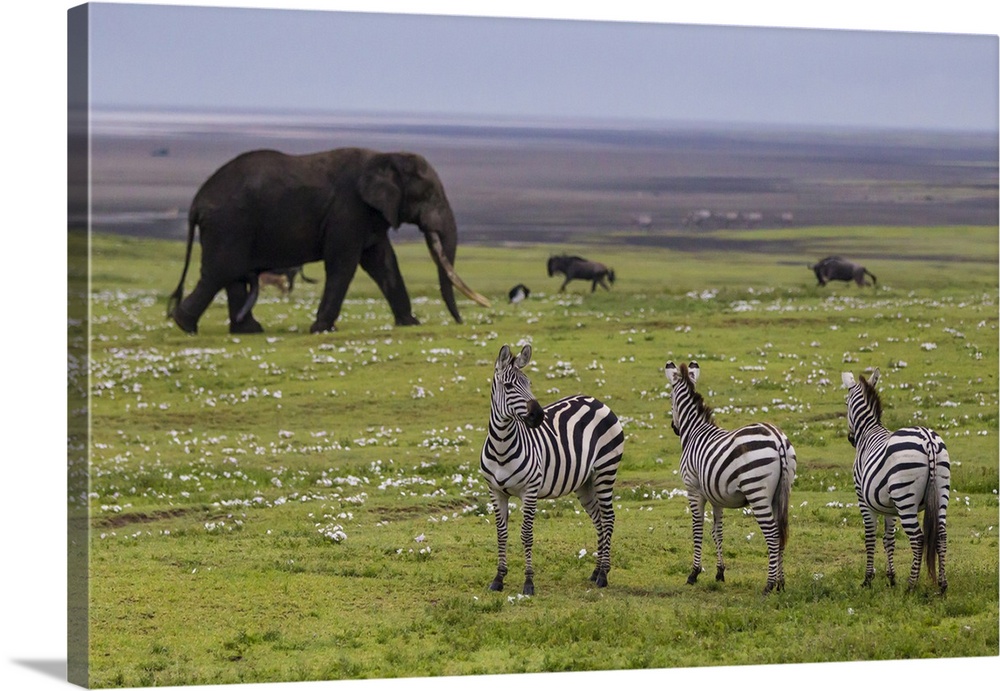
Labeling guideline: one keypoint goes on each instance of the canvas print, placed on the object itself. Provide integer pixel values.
(430, 347)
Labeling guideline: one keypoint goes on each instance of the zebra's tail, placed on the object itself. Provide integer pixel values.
(932, 507)
(780, 501)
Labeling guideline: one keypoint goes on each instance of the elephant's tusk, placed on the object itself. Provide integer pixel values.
(456, 280)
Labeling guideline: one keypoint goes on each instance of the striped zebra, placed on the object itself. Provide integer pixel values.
(572, 445)
(753, 465)
(898, 474)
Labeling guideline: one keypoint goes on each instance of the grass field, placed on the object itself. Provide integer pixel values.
(289, 506)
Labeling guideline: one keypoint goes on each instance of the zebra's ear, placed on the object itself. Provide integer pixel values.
(848, 379)
(504, 358)
(524, 357)
(875, 376)
(672, 372)
(694, 370)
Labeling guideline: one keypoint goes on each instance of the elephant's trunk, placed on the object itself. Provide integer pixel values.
(442, 246)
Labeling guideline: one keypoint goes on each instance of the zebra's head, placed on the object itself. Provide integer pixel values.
(864, 406)
(688, 404)
(511, 394)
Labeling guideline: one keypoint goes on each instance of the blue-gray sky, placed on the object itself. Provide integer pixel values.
(223, 57)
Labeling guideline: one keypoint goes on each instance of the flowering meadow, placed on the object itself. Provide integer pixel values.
(288, 506)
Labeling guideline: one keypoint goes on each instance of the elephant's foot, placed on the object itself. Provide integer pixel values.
(321, 327)
(249, 325)
(408, 320)
(185, 320)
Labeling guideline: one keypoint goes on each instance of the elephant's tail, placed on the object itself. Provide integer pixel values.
(175, 297)
(304, 277)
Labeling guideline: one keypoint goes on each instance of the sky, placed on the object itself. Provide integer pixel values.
(149, 56)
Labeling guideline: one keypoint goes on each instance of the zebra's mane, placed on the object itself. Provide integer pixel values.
(872, 398)
(702, 409)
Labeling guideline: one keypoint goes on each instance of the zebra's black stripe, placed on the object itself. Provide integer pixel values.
(753, 465)
(898, 474)
(572, 445)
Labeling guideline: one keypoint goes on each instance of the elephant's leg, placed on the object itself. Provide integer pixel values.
(339, 272)
(189, 311)
(238, 298)
(379, 262)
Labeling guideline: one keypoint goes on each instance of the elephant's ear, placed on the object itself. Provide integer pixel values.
(379, 186)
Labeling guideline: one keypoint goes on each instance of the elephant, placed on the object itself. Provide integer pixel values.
(573, 267)
(266, 209)
(839, 269)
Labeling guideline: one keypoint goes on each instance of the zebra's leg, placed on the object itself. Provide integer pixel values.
(943, 480)
(720, 567)
(588, 498)
(942, 547)
(869, 520)
(911, 525)
(697, 503)
(606, 528)
(769, 527)
(889, 542)
(942, 542)
(529, 503)
(500, 513)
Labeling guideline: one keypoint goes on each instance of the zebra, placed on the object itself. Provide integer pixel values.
(898, 474)
(753, 465)
(531, 452)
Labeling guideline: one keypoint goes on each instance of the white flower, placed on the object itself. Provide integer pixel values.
(420, 538)
(582, 554)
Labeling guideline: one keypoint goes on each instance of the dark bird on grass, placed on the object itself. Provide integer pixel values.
(518, 293)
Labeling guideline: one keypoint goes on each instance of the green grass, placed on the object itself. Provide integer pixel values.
(289, 506)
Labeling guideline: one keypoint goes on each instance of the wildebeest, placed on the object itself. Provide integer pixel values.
(283, 278)
(278, 280)
(573, 267)
(518, 293)
(290, 273)
(839, 269)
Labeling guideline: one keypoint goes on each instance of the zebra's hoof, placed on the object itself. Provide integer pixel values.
(692, 577)
(942, 587)
(720, 574)
(892, 580)
(601, 581)
(529, 588)
(496, 585)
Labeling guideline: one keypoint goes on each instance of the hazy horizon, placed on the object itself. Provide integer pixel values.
(221, 59)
